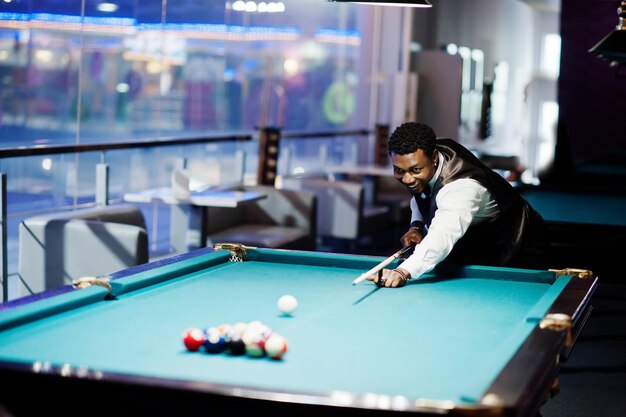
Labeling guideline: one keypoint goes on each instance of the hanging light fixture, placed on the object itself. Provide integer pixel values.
(400, 3)
(613, 46)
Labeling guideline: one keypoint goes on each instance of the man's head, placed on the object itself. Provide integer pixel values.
(413, 155)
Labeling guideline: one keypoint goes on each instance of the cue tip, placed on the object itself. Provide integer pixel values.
(359, 279)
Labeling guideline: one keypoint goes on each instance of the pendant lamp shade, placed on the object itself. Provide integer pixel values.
(399, 3)
(613, 46)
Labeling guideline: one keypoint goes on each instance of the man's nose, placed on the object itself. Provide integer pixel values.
(407, 178)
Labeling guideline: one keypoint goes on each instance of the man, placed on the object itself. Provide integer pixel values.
(462, 211)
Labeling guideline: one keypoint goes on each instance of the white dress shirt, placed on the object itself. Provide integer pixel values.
(459, 204)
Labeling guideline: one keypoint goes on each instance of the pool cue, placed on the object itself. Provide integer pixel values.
(382, 264)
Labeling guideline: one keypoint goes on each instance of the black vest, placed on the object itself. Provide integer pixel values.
(516, 237)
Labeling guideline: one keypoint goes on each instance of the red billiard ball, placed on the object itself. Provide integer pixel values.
(193, 338)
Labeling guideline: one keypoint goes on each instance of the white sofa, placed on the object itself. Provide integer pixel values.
(57, 248)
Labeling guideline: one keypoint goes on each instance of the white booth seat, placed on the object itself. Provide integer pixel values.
(389, 192)
(283, 219)
(342, 212)
(57, 248)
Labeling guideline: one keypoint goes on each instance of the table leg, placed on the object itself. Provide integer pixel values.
(179, 227)
(204, 226)
(369, 190)
(188, 227)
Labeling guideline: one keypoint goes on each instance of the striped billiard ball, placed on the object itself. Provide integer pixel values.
(275, 346)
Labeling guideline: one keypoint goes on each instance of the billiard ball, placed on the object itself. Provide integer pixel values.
(236, 345)
(193, 338)
(287, 304)
(224, 328)
(275, 346)
(237, 328)
(255, 324)
(253, 341)
(258, 327)
(214, 340)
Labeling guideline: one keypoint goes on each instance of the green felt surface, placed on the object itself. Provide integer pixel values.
(438, 338)
(569, 207)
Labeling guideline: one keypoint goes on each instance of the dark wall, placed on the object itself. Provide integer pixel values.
(591, 93)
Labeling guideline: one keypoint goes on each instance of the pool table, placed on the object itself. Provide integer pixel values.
(462, 340)
(587, 227)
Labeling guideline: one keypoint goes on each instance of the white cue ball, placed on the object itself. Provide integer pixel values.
(287, 304)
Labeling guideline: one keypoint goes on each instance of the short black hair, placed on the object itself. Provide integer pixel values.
(411, 136)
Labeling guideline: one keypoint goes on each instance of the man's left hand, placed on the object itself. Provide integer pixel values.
(390, 278)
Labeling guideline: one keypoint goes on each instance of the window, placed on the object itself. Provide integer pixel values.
(551, 54)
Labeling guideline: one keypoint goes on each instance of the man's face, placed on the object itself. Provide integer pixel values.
(414, 170)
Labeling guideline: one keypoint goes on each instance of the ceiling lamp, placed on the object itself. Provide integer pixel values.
(613, 46)
(401, 3)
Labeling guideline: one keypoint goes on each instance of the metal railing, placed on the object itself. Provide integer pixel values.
(39, 150)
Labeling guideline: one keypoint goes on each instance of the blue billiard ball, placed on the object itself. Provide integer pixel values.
(214, 340)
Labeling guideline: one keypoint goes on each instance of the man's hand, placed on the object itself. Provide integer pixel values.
(414, 236)
(390, 278)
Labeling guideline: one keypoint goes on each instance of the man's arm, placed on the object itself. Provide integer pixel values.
(457, 205)
(417, 229)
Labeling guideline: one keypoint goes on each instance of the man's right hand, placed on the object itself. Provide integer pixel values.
(413, 236)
